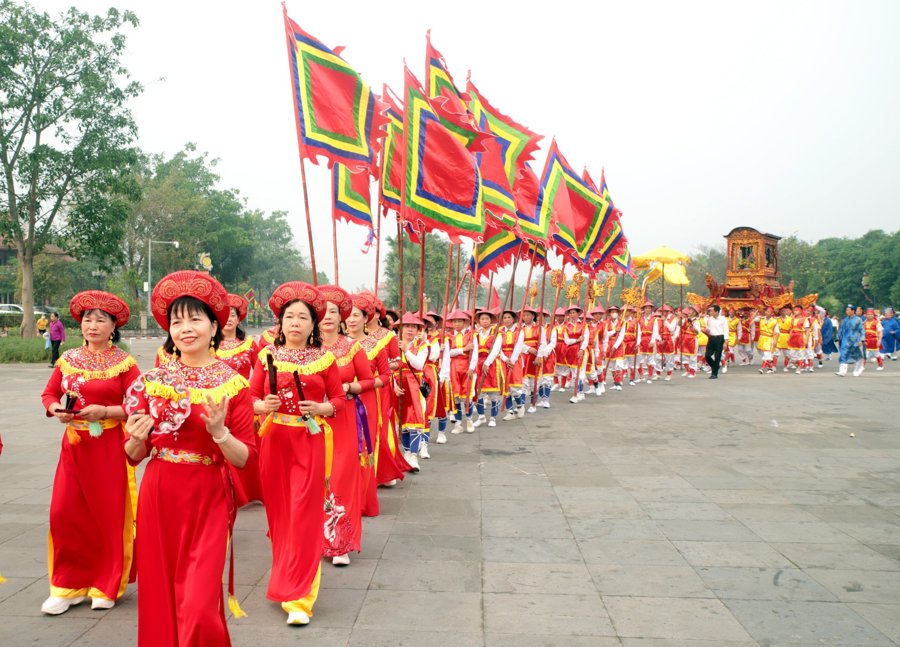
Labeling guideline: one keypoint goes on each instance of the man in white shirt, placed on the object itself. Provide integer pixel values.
(717, 330)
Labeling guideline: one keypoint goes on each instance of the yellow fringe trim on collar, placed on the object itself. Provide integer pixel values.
(107, 374)
(348, 358)
(381, 344)
(309, 368)
(246, 345)
(198, 396)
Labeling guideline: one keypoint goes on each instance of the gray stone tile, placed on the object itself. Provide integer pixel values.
(51, 631)
(731, 553)
(668, 642)
(411, 636)
(528, 493)
(531, 550)
(110, 632)
(640, 580)
(851, 556)
(859, 586)
(546, 614)
(690, 511)
(337, 607)
(530, 640)
(763, 584)
(798, 531)
(243, 633)
(673, 618)
(517, 508)
(357, 575)
(884, 617)
(634, 552)
(698, 530)
(590, 528)
(663, 495)
(871, 533)
(539, 524)
(818, 623)
(432, 547)
(568, 579)
(372, 544)
(453, 526)
(415, 575)
(438, 611)
(746, 496)
(768, 512)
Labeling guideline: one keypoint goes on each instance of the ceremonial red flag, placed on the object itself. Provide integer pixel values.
(448, 102)
(533, 226)
(495, 252)
(494, 300)
(391, 171)
(337, 114)
(442, 184)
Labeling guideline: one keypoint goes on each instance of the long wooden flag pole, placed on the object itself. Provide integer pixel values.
(312, 249)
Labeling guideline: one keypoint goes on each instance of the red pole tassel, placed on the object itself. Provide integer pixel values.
(510, 297)
(312, 249)
(446, 295)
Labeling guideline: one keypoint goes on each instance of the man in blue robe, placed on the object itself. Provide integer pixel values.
(890, 334)
(828, 346)
(852, 336)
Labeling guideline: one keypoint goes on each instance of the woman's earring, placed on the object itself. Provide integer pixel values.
(309, 341)
(109, 342)
(212, 348)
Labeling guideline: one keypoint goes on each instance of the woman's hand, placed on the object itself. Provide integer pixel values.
(214, 418)
(93, 412)
(270, 403)
(57, 412)
(313, 408)
(139, 425)
(399, 391)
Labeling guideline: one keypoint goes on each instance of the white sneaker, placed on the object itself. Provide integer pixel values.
(102, 603)
(667, 378)
(340, 560)
(520, 412)
(554, 388)
(470, 426)
(632, 383)
(545, 404)
(480, 421)
(574, 399)
(785, 369)
(54, 606)
(649, 382)
(492, 422)
(798, 371)
(602, 388)
(599, 390)
(390, 483)
(457, 429)
(532, 409)
(580, 396)
(442, 437)
(297, 618)
(413, 461)
(423, 451)
(618, 387)
(510, 415)
(684, 374)
(725, 368)
(880, 368)
(656, 377)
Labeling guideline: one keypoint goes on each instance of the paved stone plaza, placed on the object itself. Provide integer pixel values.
(695, 513)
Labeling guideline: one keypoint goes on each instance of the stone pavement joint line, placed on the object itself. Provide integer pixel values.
(675, 516)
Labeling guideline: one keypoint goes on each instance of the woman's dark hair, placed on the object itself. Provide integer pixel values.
(384, 322)
(116, 336)
(240, 334)
(191, 306)
(316, 340)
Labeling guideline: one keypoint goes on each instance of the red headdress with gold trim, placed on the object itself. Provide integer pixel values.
(338, 296)
(365, 302)
(99, 300)
(188, 283)
(239, 303)
(297, 291)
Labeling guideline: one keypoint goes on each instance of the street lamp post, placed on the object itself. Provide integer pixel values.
(150, 267)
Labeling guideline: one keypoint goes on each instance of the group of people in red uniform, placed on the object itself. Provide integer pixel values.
(334, 401)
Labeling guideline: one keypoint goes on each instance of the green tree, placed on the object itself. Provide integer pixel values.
(65, 135)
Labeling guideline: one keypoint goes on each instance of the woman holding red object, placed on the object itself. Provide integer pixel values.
(343, 503)
(192, 416)
(296, 386)
(92, 506)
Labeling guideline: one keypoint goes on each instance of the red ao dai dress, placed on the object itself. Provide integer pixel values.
(186, 507)
(292, 470)
(92, 506)
(344, 499)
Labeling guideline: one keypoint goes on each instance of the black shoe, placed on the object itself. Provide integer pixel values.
(714, 377)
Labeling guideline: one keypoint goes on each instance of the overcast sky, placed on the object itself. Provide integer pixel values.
(780, 115)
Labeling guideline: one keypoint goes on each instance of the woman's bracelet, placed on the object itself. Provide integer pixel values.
(224, 438)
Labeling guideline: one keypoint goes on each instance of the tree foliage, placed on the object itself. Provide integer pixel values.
(66, 135)
(437, 252)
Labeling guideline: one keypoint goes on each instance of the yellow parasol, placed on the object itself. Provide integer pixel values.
(664, 255)
(667, 262)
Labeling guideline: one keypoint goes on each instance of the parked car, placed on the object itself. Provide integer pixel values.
(11, 307)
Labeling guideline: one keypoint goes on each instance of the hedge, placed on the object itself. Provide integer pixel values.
(31, 351)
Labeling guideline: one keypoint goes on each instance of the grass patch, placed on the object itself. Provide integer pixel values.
(15, 350)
